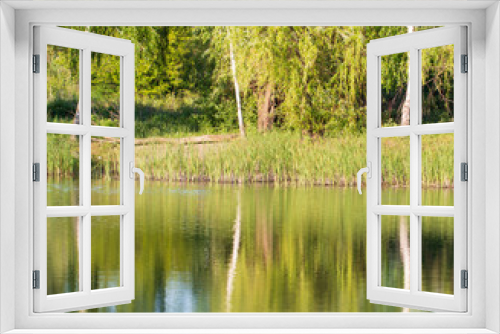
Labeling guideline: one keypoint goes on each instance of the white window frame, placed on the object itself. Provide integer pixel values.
(413, 44)
(85, 297)
(474, 15)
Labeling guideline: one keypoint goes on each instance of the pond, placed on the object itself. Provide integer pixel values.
(252, 248)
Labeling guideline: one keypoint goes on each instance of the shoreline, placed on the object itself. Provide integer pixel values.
(238, 181)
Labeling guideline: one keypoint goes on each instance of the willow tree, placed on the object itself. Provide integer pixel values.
(310, 79)
(306, 79)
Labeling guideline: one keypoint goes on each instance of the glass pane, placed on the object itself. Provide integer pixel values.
(105, 171)
(395, 94)
(395, 246)
(105, 252)
(437, 169)
(437, 254)
(105, 89)
(438, 196)
(437, 84)
(63, 84)
(395, 170)
(63, 245)
(63, 170)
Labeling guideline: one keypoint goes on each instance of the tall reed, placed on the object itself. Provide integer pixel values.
(279, 157)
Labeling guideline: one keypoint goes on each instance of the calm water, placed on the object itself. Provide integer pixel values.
(223, 248)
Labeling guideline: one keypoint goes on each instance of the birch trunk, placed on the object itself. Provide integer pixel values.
(236, 86)
(405, 113)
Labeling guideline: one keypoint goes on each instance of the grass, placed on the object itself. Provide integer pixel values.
(279, 157)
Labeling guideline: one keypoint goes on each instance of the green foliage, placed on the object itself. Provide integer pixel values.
(437, 84)
(61, 110)
(317, 78)
(318, 75)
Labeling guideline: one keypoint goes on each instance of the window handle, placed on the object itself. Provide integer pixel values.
(134, 170)
(368, 171)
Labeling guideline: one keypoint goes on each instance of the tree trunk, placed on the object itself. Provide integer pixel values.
(405, 112)
(76, 118)
(266, 110)
(236, 86)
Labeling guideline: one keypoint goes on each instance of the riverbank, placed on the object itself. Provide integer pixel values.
(279, 157)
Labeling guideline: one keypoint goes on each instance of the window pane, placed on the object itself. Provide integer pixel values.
(437, 169)
(395, 246)
(438, 196)
(63, 170)
(63, 84)
(395, 196)
(105, 89)
(395, 170)
(105, 252)
(63, 245)
(437, 84)
(394, 89)
(105, 171)
(437, 254)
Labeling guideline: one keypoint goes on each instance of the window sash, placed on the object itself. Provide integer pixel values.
(85, 298)
(414, 298)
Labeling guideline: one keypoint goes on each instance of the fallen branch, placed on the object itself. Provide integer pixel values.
(186, 140)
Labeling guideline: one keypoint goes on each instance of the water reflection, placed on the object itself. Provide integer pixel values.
(178, 294)
(218, 248)
(234, 257)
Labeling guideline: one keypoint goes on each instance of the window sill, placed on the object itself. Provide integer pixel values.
(248, 331)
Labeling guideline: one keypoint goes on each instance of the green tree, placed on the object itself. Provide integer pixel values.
(306, 79)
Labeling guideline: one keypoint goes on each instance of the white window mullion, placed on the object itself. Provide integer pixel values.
(81, 223)
(86, 137)
(127, 109)
(68, 129)
(372, 193)
(396, 131)
(414, 171)
(392, 210)
(79, 211)
(422, 129)
(77, 129)
(86, 166)
(422, 211)
(433, 129)
(434, 211)
(106, 131)
(123, 174)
